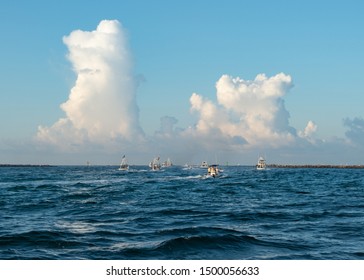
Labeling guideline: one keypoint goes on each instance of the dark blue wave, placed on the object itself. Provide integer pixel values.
(102, 213)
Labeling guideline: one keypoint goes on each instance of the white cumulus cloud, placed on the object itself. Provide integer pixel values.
(309, 132)
(101, 107)
(101, 112)
(252, 111)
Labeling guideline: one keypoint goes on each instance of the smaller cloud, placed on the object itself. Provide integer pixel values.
(355, 131)
(309, 132)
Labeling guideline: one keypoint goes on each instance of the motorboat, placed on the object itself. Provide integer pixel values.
(261, 165)
(204, 164)
(213, 170)
(167, 163)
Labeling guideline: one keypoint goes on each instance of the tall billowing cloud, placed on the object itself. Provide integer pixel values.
(250, 112)
(102, 104)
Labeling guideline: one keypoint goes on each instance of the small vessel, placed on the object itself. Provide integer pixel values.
(187, 166)
(124, 164)
(261, 165)
(167, 163)
(204, 164)
(155, 164)
(213, 170)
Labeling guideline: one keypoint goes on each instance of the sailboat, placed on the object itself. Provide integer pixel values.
(261, 165)
(155, 164)
(124, 164)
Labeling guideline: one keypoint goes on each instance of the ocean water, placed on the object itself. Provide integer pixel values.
(99, 212)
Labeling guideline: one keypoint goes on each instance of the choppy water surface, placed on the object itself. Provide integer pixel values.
(177, 213)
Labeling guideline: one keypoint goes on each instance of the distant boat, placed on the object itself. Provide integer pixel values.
(213, 170)
(124, 164)
(261, 165)
(167, 163)
(204, 164)
(187, 166)
(155, 164)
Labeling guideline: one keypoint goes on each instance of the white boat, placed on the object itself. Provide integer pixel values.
(155, 164)
(261, 165)
(204, 164)
(124, 164)
(187, 166)
(167, 163)
(213, 170)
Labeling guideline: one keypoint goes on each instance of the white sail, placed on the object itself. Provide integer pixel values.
(124, 164)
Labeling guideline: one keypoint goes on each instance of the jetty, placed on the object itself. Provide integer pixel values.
(25, 165)
(344, 166)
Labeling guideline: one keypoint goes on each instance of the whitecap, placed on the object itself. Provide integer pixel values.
(76, 227)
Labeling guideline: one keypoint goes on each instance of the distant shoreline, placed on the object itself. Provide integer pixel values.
(315, 166)
(25, 165)
(332, 166)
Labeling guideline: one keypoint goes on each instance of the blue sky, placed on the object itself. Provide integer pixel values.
(178, 48)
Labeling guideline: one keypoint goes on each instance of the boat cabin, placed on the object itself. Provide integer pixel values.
(213, 170)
